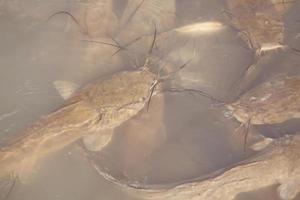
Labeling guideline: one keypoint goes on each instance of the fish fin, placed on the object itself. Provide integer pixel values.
(97, 141)
(258, 146)
(65, 88)
(289, 189)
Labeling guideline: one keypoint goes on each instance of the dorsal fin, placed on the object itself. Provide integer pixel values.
(97, 141)
(65, 88)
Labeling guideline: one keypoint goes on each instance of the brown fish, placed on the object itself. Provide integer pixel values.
(100, 106)
(272, 102)
(278, 164)
(260, 21)
(261, 26)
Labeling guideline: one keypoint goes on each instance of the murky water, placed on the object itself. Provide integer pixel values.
(184, 135)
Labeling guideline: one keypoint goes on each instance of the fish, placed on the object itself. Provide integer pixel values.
(136, 140)
(278, 164)
(272, 102)
(260, 22)
(95, 109)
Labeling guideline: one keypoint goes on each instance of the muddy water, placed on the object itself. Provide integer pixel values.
(192, 136)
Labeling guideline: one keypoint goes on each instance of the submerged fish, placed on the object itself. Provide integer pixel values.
(261, 26)
(277, 164)
(272, 102)
(260, 22)
(95, 109)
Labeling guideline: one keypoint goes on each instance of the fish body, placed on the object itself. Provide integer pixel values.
(261, 21)
(278, 164)
(101, 105)
(119, 97)
(261, 26)
(272, 102)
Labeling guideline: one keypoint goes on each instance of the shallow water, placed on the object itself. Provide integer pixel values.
(192, 136)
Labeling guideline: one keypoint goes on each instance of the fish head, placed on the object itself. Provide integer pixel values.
(267, 29)
(240, 112)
